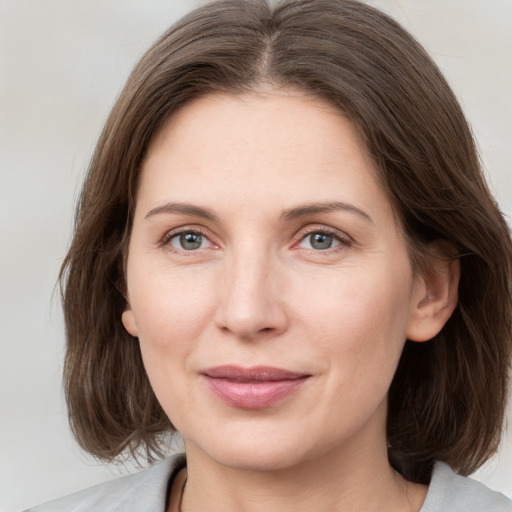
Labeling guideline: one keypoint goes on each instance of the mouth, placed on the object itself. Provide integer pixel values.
(253, 388)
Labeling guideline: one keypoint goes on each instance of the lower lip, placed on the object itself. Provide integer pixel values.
(255, 394)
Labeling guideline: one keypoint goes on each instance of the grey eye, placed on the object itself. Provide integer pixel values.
(188, 241)
(321, 241)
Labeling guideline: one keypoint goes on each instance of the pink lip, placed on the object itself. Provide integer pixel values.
(252, 388)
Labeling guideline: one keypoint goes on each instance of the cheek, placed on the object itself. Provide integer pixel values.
(359, 302)
(359, 321)
(172, 311)
(171, 308)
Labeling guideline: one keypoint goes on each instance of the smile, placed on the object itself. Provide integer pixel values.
(252, 388)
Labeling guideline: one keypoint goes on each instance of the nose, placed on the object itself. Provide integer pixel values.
(251, 305)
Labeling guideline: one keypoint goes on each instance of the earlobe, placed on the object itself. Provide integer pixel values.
(435, 295)
(128, 320)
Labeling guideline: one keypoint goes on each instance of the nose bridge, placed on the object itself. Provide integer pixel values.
(249, 302)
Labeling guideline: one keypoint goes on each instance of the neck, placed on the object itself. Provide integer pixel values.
(351, 479)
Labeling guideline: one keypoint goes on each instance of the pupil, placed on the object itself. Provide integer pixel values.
(321, 241)
(190, 241)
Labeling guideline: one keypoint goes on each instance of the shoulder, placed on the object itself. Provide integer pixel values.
(454, 493)
(141, 492)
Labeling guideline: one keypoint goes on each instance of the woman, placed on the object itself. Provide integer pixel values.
(286, 251)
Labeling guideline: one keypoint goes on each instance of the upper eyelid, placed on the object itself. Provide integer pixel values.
(169, 235)
(303, 233)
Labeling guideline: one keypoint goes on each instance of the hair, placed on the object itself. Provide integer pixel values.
(448, 396)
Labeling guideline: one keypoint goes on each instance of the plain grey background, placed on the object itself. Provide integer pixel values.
(62, 64)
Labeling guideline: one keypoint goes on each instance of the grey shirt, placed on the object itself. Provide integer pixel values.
(147, 492)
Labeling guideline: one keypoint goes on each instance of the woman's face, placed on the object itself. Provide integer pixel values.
(269, 282)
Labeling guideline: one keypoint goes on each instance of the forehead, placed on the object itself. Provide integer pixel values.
(279, 145)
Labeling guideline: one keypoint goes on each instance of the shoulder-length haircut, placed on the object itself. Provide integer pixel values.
(448, 396)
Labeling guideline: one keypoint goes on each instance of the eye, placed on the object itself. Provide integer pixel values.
(188, 241)
(322, 240)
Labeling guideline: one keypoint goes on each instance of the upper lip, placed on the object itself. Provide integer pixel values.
(252, 374)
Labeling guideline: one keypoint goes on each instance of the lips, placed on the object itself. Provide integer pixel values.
(253, 388)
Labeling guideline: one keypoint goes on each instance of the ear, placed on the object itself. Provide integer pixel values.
(435, 294)
(128, 320)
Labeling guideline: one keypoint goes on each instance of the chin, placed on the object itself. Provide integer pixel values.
(263, 459)
(261, 452)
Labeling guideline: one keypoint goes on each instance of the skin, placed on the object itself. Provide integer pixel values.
(259, 291)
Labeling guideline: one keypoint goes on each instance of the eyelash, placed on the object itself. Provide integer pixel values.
(181, 231)
(344, 240)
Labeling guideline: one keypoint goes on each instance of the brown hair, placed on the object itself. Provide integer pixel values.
(448, 396)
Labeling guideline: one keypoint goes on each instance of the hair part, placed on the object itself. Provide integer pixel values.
(379, 77)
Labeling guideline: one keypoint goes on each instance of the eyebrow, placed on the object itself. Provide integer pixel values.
(315, 208)
(287, 215)
(183, 208)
